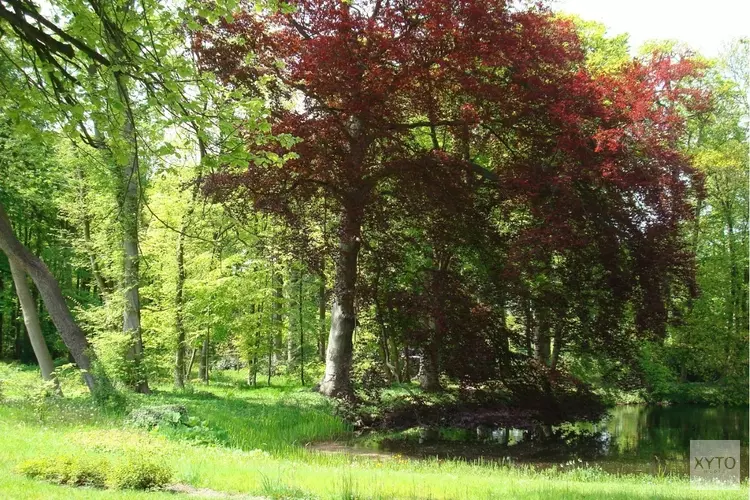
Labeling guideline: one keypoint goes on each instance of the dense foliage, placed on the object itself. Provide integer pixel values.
(480, 195)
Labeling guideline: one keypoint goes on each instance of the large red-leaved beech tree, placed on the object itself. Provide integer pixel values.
(495, 93)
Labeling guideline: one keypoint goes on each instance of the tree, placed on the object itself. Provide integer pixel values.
(708, 338)
(54, 301)
(371, 79)
(33, 328)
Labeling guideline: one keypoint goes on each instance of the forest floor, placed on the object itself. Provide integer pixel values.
(256, 443)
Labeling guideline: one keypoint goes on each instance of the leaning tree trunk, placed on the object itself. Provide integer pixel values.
(33, 328)
(71, 333)
(336, 381)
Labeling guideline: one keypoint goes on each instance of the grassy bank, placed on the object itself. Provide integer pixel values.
(259, 438)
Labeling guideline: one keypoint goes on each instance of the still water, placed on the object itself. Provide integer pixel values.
(632, 439)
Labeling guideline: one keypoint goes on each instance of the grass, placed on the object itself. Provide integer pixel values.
(265, 432)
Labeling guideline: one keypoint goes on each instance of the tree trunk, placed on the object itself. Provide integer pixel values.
(104, 287)
(735, 286)
(429, 372)
(54, 301)
(407, 366)
(528, 328)
(17, 330)
(204, 368)
(383, 342)
(189, 371)
(33, 327)
(429, 354)
(394, 359)
(130, 191)
(336, 381)
(322, 315)
(179, 366)
(541, 339)
(292, 330)
(556, 347)
(277, 320)
(301, 326)
(322, 301)
(252, 376)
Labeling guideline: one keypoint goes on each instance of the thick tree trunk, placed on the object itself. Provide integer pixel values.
(54, 301)
(429, 371)
(394, 360)
(336, 381)
(130, 191)
(33, 327)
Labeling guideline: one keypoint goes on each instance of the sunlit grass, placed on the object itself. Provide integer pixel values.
(267, 430)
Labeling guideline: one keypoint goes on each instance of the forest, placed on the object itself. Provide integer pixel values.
(260, 229)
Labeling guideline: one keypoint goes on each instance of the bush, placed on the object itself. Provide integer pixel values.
(139, 473)
(70, 470)
(136, 472)
(173, 421)
(196, 431)
(149, 417)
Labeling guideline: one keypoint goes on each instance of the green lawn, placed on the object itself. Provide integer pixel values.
(264, 432)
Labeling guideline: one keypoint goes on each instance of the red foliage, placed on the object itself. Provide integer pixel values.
(590, 165)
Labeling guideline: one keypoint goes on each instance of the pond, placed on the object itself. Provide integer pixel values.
(631, 439)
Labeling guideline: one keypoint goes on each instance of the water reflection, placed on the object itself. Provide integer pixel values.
(651, 439)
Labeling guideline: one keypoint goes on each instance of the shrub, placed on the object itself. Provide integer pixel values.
(197, 431)
(149, 417)
(139, 472)
(70, 470)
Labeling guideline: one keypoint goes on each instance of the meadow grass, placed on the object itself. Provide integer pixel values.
(265, 432)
